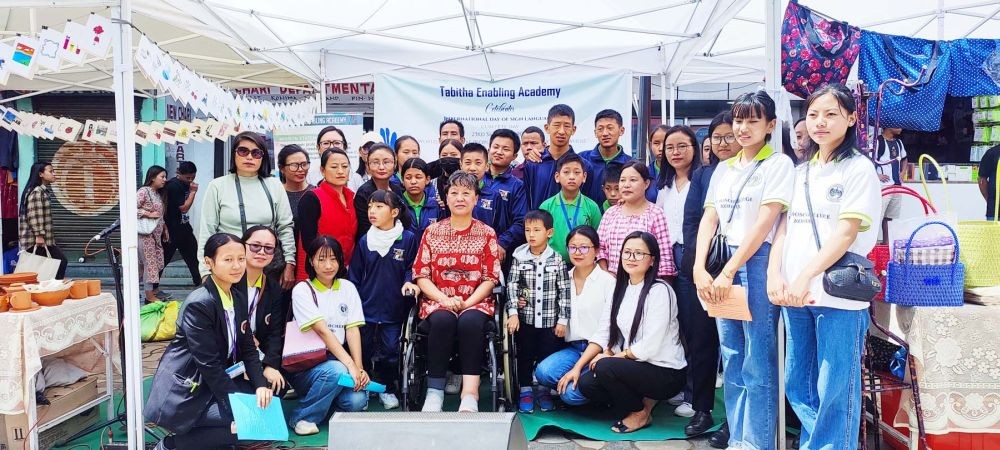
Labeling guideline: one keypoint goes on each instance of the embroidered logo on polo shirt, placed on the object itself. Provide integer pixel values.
(397, 254)
(756, 179)
(835, 193)
(504, 194)
(487, 204)
(343, 309)
(432, 220)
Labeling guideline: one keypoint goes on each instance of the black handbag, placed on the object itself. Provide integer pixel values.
(852, 277)
(719, 252)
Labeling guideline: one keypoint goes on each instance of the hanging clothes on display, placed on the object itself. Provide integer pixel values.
(815, 50)
(885, 57)
(975, 67)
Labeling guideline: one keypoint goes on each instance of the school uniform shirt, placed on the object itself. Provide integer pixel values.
(845, 189)
(542, 281)
(424, 212)
(616, 225)
(540, 178)
(361, 198)
(567, 215)
(672, 201)
(654, 174)
(339, 306)
(657, 341)
(587, 306)
(770, 183)
(502, 205)
(593, 188)
(379, 279)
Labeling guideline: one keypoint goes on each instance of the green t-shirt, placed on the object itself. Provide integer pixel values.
(563, 218)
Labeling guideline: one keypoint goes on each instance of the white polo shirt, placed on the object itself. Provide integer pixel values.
(770, 183)
(339, 306)
(845, 189)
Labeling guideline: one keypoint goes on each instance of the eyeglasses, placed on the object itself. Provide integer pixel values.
(381, 163)
(258, 248)
(634, 255)
(328, 144)
(679, 147)
(579, 249)
(298, 167)
(729, 138)
(244, 152)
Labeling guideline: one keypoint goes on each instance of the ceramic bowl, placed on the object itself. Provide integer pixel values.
(20, 300)
(50, 298)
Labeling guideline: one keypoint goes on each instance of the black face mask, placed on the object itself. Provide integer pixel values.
(443, 167)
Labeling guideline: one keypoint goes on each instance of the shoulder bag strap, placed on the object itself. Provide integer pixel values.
(239, 195)
(312, 291)
(812, 218)
(740, 191)
(270, 200)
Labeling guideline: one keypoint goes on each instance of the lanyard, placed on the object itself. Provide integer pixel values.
(576, 214)
(231, 332)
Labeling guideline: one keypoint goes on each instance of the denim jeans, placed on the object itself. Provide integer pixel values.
(551, 369)
(824, 373)
(750, 361)
(319, 393)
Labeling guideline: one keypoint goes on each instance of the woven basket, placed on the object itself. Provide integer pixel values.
(926, 285)
(880, 253)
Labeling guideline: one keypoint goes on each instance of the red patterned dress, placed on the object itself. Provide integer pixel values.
(457, 262)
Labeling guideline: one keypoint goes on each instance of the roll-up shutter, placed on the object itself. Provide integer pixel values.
(86, 186)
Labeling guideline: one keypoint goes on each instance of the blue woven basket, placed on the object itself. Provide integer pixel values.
(926, 285)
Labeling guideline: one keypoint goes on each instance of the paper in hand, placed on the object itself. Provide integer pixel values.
(736, 306)
(256, 424)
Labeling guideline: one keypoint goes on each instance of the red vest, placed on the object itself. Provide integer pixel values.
(336, 220)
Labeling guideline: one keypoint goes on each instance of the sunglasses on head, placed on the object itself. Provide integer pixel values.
(244, 152)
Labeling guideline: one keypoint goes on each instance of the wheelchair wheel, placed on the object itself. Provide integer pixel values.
(511, 388)
(413, 378)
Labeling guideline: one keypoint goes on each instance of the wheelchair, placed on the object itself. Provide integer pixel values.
(500, 366)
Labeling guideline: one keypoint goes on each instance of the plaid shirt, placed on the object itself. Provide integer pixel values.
(36, 218)
(543, 283)
(616, 225)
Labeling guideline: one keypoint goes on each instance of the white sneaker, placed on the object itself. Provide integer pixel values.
(389, 401)
(719, 380)
(454, 384)
(469, 404)
(433, 401)
(677, 399)
(684, 410)
(303, 428)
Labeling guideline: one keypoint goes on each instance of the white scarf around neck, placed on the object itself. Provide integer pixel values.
(379, 241)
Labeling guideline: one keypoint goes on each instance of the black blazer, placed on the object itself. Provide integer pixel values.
(694, 208)
(270, 322)
(192, 371)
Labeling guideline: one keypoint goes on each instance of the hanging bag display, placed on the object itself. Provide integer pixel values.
(880, 254)
(815, 50)
(926, 284)
(719, 252)
(303, 350)
(45, 266)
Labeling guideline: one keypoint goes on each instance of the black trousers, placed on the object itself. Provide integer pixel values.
(380, 352)
(469, 327)
(54, 252)
(182, 239)
(623, 383)
(214, 429)
(533, 346)
(701, 338)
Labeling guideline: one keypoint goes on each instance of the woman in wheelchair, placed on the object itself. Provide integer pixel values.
(456, 268)
(635, 356)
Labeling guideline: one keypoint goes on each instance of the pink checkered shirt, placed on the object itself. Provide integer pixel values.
(615, 225)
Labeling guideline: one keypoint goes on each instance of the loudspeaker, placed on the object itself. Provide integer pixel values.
(418, 431)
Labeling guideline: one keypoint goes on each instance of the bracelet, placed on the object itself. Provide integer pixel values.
(727, 274)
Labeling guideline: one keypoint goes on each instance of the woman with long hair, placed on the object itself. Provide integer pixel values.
(266, 309)
(293, 170)
(150, 198)
(35, 216)
(680, 157)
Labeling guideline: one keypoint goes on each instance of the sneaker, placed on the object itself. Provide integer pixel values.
(545, 402)
(526, 404)
(454, 384)
(389, 401)
(719, 381)
(684, 410)
(677, 399)
(303, 428)
(433, 401)
(162, 295)
(469, 404)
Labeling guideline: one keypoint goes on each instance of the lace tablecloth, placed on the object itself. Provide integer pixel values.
(958, 365)
(27, 337)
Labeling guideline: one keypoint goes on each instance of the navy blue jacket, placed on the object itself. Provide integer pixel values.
(380, 279)
(502, 205)
(694, 208)
(594, 187)
(540, 178)
(430, 213)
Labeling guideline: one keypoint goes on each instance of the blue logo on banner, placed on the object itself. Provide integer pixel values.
(388, 136)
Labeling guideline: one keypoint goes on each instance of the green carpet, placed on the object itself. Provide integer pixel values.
(595, 423)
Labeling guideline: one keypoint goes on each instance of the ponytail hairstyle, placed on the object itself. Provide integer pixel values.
(846, 101)
(622, 282)
(392, 200)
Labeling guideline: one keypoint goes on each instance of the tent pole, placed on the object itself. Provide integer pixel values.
(673, 104)
(663, 99)
(322, 82)
(125, 122)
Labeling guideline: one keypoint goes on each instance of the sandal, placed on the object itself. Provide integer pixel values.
(620, 427)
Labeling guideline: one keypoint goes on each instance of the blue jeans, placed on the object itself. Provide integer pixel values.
(319, 393)
(750, 361)
(551, 369)
(824, 373)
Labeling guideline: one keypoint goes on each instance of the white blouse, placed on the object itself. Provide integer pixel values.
(658, 339)
(587, 306)
(672, 201)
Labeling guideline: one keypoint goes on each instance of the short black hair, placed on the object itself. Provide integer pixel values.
(265, 162)
(415, 163)
(475, 147)
(283, 155)
(568, 158)
(540, 215)
(612, 173)
(509, 134)
(217, 240)
(561, 110)
(389, 198)
(586, 231)
(609, 114)
(329, 129)
(461, 128)
(325, 242)
(186, 168)
(380, 146)
(536, 130)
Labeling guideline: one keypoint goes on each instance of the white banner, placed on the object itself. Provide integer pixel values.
(305, 136)
(416, 105)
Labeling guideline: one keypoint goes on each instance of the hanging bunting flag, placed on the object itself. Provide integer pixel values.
(68, 129)
(49, 41)
(71, 49)
(142, 133)
(97, 41)
(5, 53)
(23, 61)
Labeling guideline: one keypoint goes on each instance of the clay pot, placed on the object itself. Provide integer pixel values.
(93, 287)
(78, 290)
(20, 300)
(4, 303)
(50, 298)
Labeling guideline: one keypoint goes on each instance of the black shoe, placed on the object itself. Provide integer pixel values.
(700, 423)
(720, 439)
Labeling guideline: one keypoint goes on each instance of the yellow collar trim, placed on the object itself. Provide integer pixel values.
(765, 152)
